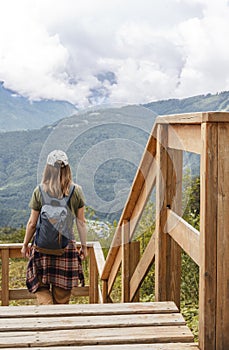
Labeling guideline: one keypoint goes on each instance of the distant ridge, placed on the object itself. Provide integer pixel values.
(199, 103)
(19, 113)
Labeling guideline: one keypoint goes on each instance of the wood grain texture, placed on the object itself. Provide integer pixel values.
(134, 335)
(222, 315)
(161, 346)
(185, 137)
(184, 234)
(91, 325)
(161, 267)
(208, 236)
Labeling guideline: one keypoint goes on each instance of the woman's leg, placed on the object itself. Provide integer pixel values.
(44, 296)
(60, 295)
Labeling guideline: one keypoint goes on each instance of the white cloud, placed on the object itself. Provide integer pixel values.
(156, 49)
(206, 51)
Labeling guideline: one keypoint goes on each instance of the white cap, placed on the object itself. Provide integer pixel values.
(57, 156)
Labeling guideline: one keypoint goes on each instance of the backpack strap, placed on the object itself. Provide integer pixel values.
(47, 199)
(71, 190)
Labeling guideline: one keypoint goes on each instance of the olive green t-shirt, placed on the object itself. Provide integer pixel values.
(77, 200)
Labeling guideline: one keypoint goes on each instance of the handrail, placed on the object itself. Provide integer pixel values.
(185, 235)
(93, 291)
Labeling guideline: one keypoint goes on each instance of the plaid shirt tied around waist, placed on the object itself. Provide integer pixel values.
(63, 271)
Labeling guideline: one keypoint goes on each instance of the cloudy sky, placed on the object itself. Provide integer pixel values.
(114, 51)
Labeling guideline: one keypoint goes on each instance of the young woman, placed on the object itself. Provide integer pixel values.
(52, 277)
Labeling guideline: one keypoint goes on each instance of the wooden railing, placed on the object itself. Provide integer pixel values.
(92, 290)
(206, 134)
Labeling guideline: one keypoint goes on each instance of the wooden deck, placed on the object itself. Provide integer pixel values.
(90, 326)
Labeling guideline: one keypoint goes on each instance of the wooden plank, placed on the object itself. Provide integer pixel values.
(161, 268)
(18, 246)
(185, 137)
(125, 261)
(160, 334)
(184, 234)
(187, 118)
(174, 346)
(87, 309)
(100, 295)
(134, 260)
(99, 257)
(5, 277)
(150, 181)
(208, 236)
(93, 278)
(215, 117)
(113, 251)
(81, 291)
(105, 294)
(194, 118)
(14, 249)
(114, 270)
(21, 294)
(142, 267)
(222, 315)
(78, 322)
(174, 201)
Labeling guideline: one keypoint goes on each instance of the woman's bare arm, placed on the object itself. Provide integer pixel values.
(82, 230)
(30, 229)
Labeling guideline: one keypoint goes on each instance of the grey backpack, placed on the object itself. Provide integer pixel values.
(55, 224)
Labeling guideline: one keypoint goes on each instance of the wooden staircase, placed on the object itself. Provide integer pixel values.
(103, 326)
(145, 325)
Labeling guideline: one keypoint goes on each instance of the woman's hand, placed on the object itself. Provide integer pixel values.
(30, 229)
(25, 251)
(83, 252)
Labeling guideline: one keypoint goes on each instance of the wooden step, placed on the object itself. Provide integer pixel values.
(174, 346)
(90, 326)
(88, 309)
(89, 322)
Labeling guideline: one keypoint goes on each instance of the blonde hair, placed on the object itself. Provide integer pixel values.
(57, 179)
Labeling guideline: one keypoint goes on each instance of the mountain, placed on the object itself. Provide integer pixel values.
(200, 103)
(104, 148)
(19, 113)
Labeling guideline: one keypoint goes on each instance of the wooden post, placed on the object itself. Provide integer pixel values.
(208, 237)
(5, 276)
(134, 259)
(161, 268)
(125, 261)
(222, 312)
(174, 201)
(168, 195)
(105, 291)
(93, 284)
